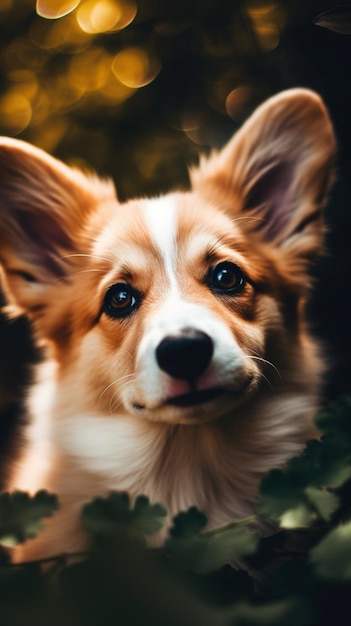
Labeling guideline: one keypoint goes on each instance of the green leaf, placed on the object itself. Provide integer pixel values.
(334, 462)
(207, 553)
(104, 517)
(188, 524)
(325, 502)
(300, 516)
(21, 515)
(291, 498)
(331, 557)
(280, 492)
(298, 495)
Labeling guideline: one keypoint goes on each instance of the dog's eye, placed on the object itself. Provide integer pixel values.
(120, 300)
(227, 278)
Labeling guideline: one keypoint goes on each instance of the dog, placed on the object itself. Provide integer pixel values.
(180, 364)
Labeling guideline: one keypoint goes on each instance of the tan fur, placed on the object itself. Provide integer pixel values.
(100, 412)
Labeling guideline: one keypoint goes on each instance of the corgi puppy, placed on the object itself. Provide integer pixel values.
(179, 362)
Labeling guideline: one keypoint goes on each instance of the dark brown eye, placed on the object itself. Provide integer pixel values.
(226, 278)
(120, 300)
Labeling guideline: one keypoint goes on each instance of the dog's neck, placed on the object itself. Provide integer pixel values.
(216, 466)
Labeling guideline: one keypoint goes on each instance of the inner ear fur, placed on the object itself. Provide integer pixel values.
(276, 172)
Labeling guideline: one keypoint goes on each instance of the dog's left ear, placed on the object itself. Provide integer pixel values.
(276, 172)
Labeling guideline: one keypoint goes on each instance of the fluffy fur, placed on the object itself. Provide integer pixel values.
(105, 412)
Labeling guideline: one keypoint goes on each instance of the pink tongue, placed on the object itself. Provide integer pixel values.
(178, 387)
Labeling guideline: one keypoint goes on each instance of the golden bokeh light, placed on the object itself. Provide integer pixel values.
(238, 100)
(25, 89)
(192, 123)
(41, 108)
(104, 16)
(189, 121)
(197, 136)
(61, 35)
(269, 37)
(15, 112)
(64, 94)
(89, 70)
(267, 20)
(54, 9)
(26, 82)
(21, 54)
(135, 68)
(49, 134)
(113, 91)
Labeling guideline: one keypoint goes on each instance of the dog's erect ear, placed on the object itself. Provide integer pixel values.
(276, 171)
(44, 207)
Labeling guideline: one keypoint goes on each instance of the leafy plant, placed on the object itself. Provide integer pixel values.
(207, 552)
(295, 576)
(21, 515)
(104, 517)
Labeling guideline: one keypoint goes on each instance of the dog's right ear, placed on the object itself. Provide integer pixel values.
(45, 207)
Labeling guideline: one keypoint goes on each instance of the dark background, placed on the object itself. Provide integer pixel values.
(139, 101)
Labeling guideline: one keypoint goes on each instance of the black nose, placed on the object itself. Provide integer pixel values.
(186, 355)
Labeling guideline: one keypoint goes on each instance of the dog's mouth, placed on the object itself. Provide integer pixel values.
(193, 398)
(196, 397)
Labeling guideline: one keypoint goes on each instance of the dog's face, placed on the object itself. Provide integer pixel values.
(166, 309)
(179, 325)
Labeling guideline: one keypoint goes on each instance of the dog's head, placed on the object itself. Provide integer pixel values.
(175, 308)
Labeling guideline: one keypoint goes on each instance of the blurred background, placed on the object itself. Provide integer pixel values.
(137, 89)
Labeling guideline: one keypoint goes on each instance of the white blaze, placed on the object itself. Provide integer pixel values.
(161, 219)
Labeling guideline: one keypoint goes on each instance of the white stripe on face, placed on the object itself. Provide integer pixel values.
(161, 219)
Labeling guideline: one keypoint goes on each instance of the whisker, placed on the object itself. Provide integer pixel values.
(267, 381)
(100, 269)
(266, 362)
(113, 405)
(259, 358)
(90, 256)
(114, 382)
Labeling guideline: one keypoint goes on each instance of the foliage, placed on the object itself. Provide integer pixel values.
(205, 553)
(21, 514)
(297, 575)
(306, 490)
(104, 517)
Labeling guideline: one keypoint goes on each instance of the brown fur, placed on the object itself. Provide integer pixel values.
(101, 416)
